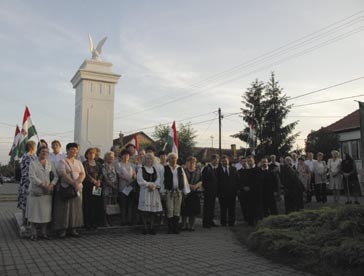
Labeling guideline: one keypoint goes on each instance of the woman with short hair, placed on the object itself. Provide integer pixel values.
(334, 168)
(67, 212)
(43, 178)
(149, 198)
(27, 158)
(320, 171)
(110, 182)
(127, 176)
(192, 205)
(351, 183)
(92, 201)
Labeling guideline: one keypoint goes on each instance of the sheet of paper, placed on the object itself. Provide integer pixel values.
(127, 190)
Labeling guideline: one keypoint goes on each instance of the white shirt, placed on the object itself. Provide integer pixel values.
(55, 158)
(310, 164)
(186, 188)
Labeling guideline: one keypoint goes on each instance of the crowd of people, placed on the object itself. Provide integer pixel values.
(63, 192)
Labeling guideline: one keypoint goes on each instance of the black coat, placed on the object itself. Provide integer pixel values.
(210, 180)
(228, 183)
(269, 183)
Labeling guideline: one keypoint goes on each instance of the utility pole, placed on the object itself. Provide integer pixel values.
(212, 141)
(220, 117)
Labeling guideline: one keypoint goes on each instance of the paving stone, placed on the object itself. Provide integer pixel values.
(120, 252)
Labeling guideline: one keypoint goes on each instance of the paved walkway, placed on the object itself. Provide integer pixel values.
(116, 252)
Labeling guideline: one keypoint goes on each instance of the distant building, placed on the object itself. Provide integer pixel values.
(348, 130)
(143, 139)
(204, 154)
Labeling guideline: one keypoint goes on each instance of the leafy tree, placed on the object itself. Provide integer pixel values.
(186, 139)
(277, 138)
(323, 141)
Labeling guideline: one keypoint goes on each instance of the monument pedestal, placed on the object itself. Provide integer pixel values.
(95, 84)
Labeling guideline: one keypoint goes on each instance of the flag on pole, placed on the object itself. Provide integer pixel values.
(28, 131)
(252, 136)
(173, 139)
(135, 142)
(15, 147)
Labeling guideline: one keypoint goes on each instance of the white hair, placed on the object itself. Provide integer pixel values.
(172, 154)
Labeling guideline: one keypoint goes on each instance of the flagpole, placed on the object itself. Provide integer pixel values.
(361, 119)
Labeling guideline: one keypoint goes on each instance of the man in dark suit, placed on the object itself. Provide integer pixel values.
(209, 184)
(227, 191)
(270, 189)
(253, 189)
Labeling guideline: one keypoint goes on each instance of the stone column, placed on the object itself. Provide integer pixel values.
(95, 84)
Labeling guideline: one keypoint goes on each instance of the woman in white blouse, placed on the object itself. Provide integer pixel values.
(334, 168)
(149, 197)
(43, 178)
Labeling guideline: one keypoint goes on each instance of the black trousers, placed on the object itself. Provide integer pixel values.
(269, 205)
(227, 210)
(208, 208)
(320, 192)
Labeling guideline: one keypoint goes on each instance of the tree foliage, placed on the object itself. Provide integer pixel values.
(323, 141)
(266, 106)
(186, 139)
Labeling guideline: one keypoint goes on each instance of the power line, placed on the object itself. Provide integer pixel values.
(325, 88)
(232, 79)
(328, 101)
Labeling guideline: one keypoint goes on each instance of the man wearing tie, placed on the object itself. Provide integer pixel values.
(209, 184)
(227, 190)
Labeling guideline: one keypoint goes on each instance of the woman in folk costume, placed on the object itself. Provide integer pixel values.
(320, 171)
(175, 183)
(43, 178)
(149, 199)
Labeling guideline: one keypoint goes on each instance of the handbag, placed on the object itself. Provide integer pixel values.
(112, 207)
(69, 191)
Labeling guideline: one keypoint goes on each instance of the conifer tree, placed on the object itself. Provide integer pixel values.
(277, 138)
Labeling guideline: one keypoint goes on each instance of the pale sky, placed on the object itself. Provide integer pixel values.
(172, 51)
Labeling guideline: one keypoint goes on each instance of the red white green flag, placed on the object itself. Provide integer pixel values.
(173, 139)
(27, 132)
(15, 147)
(135, 142)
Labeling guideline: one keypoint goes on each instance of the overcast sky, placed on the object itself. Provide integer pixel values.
(172, 56)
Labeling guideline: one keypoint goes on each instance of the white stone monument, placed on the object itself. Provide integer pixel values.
(94, 83)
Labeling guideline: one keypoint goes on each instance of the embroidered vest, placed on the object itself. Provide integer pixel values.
(168, 178)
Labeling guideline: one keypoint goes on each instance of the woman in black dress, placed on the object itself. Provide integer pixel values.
(92, 200)
(351, 182)
(192, 206)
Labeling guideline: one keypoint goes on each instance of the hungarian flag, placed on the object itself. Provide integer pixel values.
(15, 147)
(28, 131)
(135, 142)
(173, 139)
(252, 136)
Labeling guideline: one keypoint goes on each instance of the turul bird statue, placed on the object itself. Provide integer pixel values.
(96, 52)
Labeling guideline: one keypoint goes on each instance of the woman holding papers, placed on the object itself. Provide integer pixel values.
(127, 176)
(92, 200)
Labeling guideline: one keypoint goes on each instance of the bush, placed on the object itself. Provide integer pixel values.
(329, 241)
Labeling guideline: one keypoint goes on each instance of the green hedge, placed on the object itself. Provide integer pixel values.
(329, 241)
